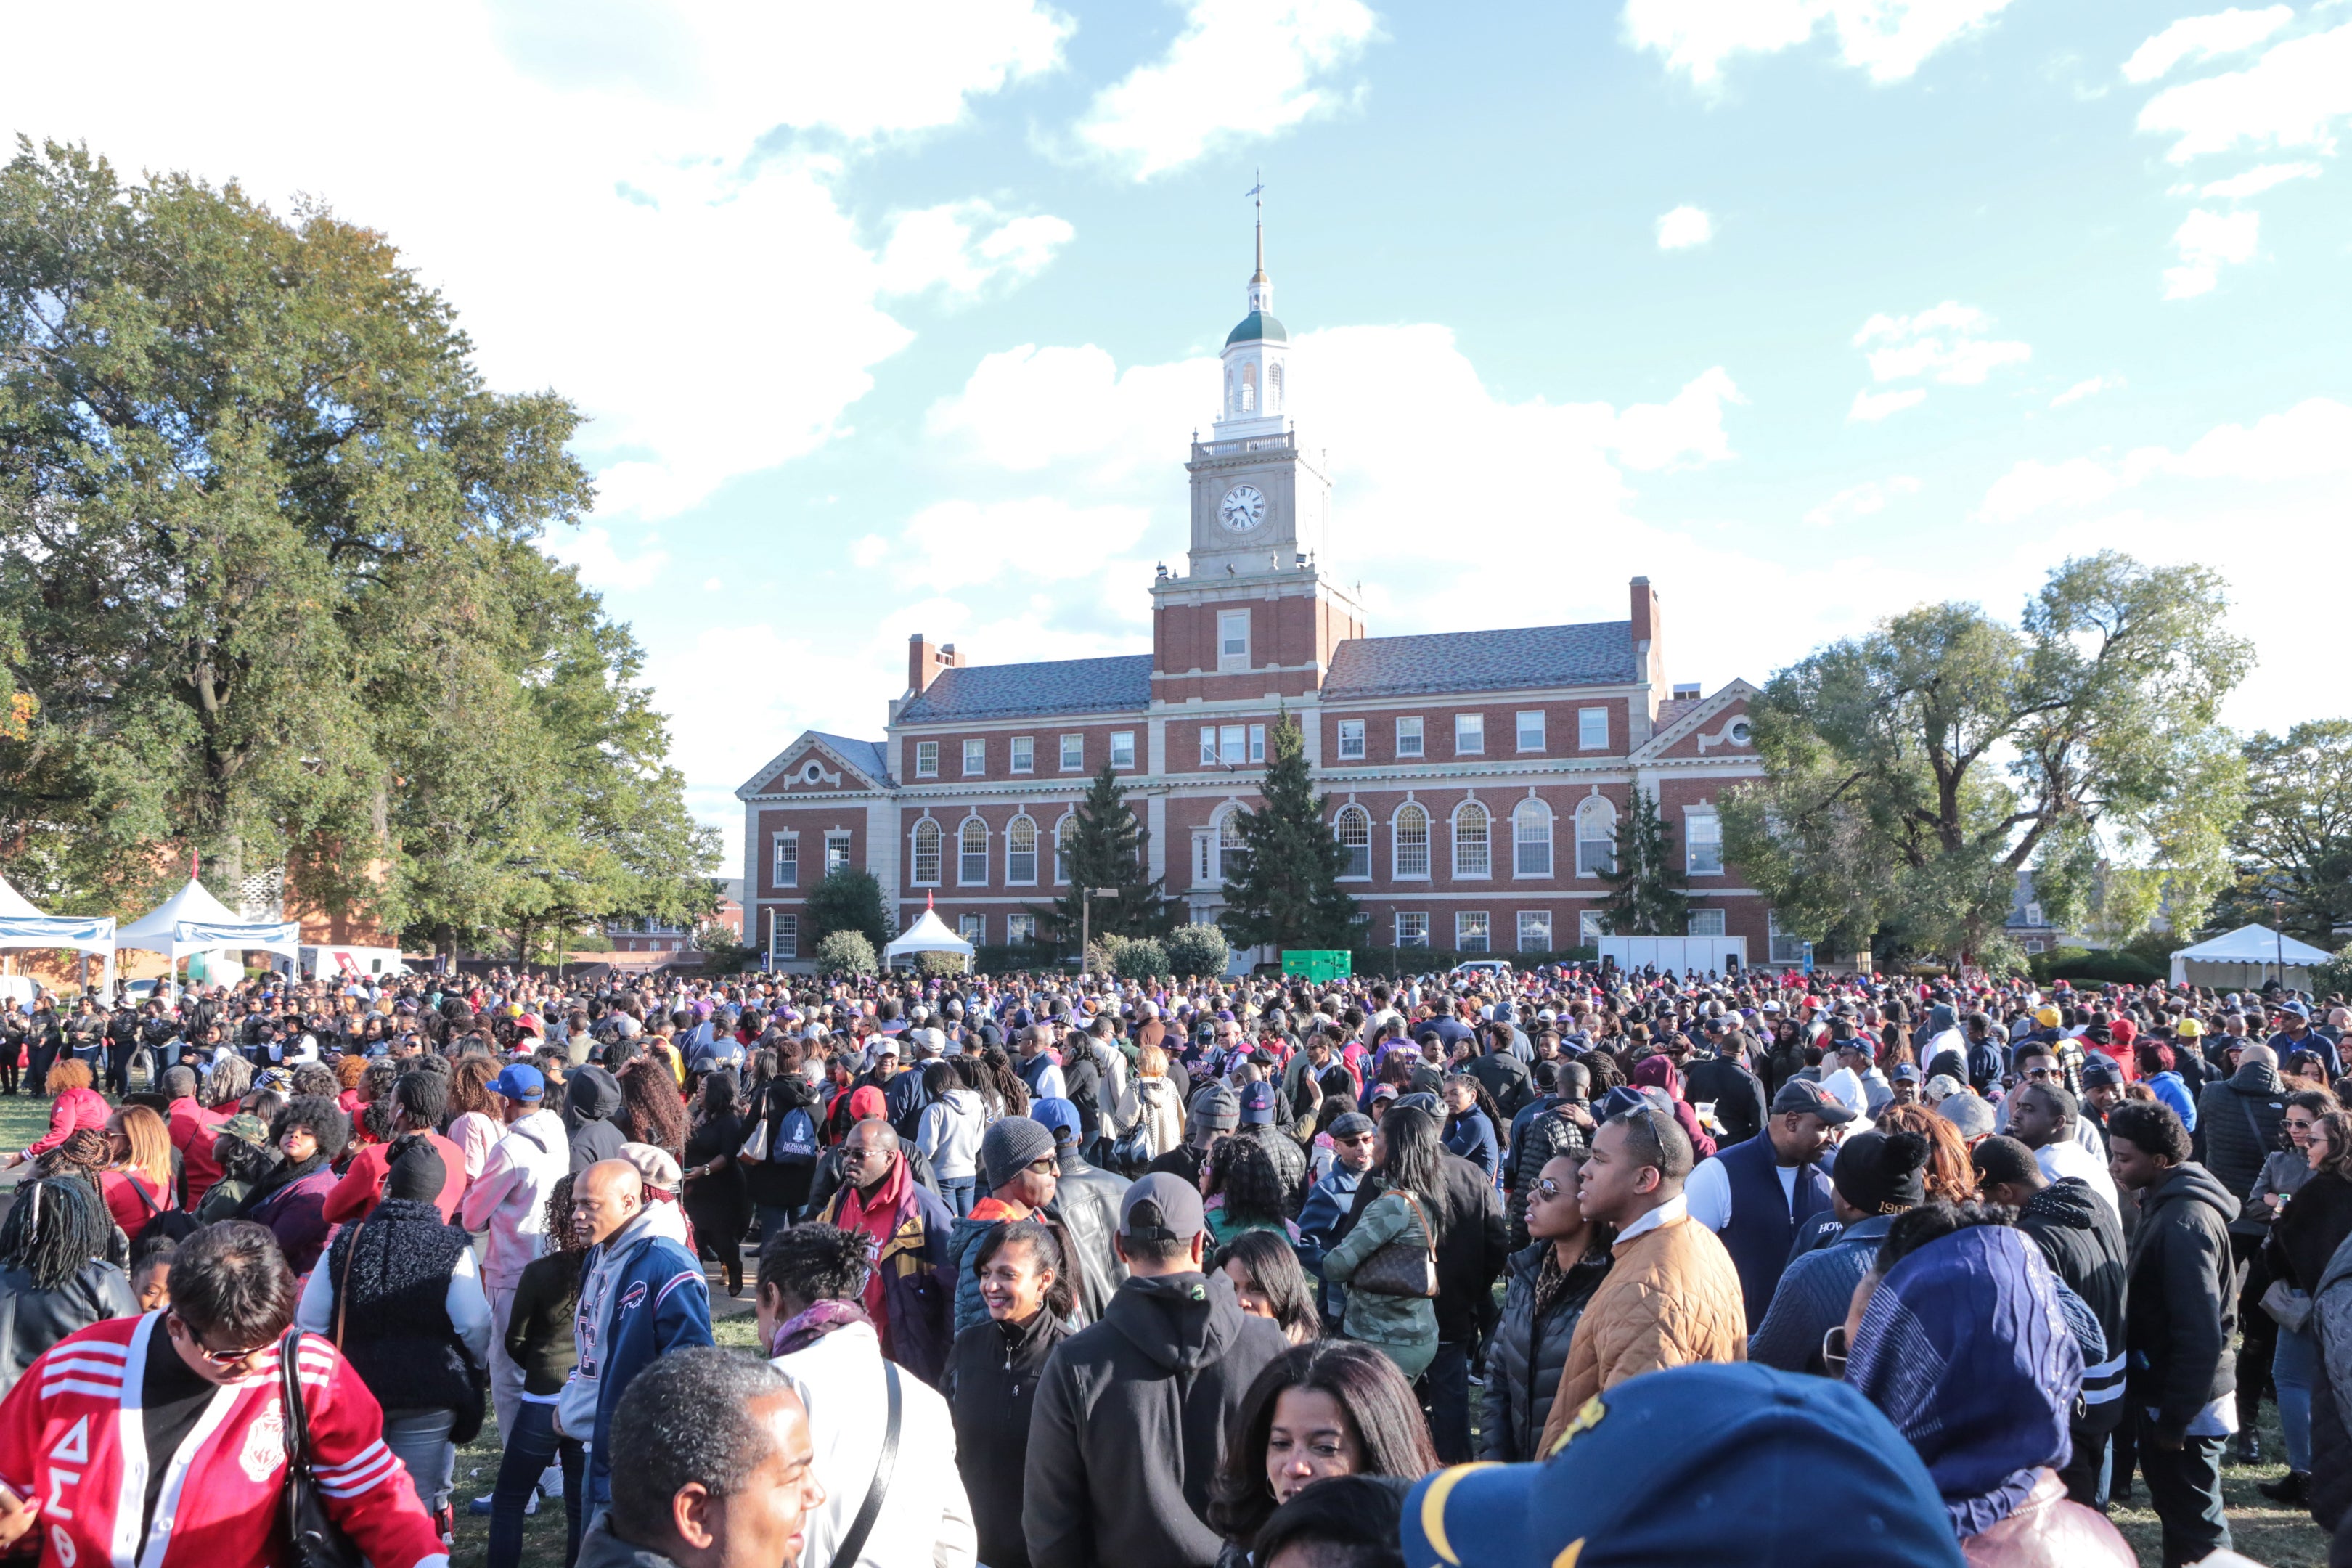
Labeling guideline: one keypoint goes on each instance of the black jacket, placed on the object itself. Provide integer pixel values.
(1524, 1363)
(1546, 1136)
(1733, 1091)
(1473, 1246)
(1087, 1200)
(2239, 1120)
(2084, 1243)
(1130, 1425)
(1505, 1078)
(592, 1098)
(992, 1385)
(90, 1294)
(2182, 1298)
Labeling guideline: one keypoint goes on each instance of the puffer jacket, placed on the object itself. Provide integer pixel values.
(1524, 1363)
(2240, 1119)
(1290, 1162)
(2331, 1401)
(2048, 1531)
(2181, 1300)
(1672, 1298)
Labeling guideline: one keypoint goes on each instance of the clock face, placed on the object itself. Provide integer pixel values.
(1243, 509)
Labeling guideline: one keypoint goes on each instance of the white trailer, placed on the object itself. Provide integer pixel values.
(1681, 954)
(348, 963)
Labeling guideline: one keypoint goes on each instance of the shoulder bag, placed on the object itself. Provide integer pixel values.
(318, 1542)
(853, 1545)
(1400, 1268)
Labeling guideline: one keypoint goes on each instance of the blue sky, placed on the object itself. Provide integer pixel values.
(897, 317)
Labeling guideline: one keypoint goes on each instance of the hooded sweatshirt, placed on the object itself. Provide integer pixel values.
(2181, 1302)
(509, 1199)
(950, 1133)
(642, 1295)
(592, 1098)
(1130, 1425)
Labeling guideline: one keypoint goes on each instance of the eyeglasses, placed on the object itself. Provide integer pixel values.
(1048, 1166)
(221, 1359)
(1833, 1352)
(2042, 1072)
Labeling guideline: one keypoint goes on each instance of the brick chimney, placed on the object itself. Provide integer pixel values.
(1649, 655)
(925, 659)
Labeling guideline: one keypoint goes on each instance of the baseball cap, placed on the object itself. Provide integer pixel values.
(1170, 1206)
(1804, 1095)
(1906, 1073)
(1665, 1467)
(1257, 1105)
(518, 1080)
(1058, 1114)
(2188, 1029)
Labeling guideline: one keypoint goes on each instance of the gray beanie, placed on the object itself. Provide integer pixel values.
(1217, 1108)
(1013, 1142)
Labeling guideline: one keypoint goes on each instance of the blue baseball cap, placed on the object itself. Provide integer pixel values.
(1058, 1114)
(1257, 1105)
(1666, 1469)
(519, 1080)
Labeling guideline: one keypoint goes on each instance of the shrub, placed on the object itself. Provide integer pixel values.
(1200, 950)
(940, 963)
(846, 952)
(1140, 959)
(2100, 965)
(2334, 977)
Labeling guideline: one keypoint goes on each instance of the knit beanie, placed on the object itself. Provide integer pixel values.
(418, 1172)
(1881, 1172)
(1013, 1142)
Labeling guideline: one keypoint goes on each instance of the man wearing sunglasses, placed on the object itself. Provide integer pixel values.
(209, 1475)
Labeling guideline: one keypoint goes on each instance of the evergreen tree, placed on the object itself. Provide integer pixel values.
(1646, 895)
(1284, 892)
(849, 899)
(1109, 847)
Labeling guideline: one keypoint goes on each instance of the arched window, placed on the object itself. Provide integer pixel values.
(1233, 392)
(1274, 389)
(1531, 834)
(1596, 837)
(1065, 833)
(1411, 829)
(1249, 387)
(1473, 853)
(1354, 830)
(1021, 852)
(926, 854)
(971, 869)
(1233, 853)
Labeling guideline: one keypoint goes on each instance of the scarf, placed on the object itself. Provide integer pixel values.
(804, 1329)
(878, 1219)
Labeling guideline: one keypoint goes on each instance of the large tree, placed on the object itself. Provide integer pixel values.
(1647, 887)
(1285, 891)
(269, 581)
(2292, 848)
(1911, 772)
(1109, 847)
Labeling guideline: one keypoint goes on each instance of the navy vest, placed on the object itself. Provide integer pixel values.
(1762, 1225)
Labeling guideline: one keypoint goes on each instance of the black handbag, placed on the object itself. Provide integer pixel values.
(318, 1542)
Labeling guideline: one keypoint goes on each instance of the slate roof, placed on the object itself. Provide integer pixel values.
(866, 756)
(1673, 709)
(1597, 653)
(1018, 690)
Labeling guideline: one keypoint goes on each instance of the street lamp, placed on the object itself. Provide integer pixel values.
(1085, 920)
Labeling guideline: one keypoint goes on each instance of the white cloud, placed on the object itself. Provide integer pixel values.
(1683, 227)
(2031, 486)
(1241, 69)
(2294, 96)
(1945, 342)
(2312, 441)
(2202, 37)
(1888, 38)
(2206, 241)
(1028, 407)
(1869, 408)
(870, 551)
(2257, 180)
(1866, 499)
(600, 565)
(1684, 432)
(961, 246)
(2083, 389)
(951, 543)
(714, 585)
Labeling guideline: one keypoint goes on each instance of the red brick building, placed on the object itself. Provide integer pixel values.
(1476, 777)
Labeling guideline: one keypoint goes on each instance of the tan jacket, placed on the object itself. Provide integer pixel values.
(1671, 1297)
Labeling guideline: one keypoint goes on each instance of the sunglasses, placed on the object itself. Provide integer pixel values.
(221, 1359)
(1048, 1166)
(1549, 1188)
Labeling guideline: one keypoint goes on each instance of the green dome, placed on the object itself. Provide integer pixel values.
(1257, 327)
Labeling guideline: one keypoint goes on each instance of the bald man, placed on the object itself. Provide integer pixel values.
(642, 1295)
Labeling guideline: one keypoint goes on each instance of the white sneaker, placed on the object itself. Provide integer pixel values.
(551, 1481)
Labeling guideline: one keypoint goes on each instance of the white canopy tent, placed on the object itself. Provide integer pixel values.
(23, 928)
(192, 921)
(2247, 956)
(927, 934)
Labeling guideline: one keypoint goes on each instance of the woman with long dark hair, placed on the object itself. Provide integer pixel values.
(1321, 1410)
(652, 1111)
(539, 1339)
(1243, 1192)
(53, 1249)
(2311, 1224)
(714, 1194)
(777, 1183)
(993, 1374)
(1405, 1214)
(1269, 1283)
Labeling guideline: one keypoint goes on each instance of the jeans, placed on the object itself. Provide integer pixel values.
(506, 1376)
(531, 1446)
(420, 1439)
(2184, 1487)
(956, 1193)
(775, 1220)
(1447, 1387)
(2294, 1367)
(118, 1067)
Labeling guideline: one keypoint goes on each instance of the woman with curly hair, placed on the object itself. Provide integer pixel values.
(1951, 1175)
(309, 1135)
(477, 1119)
(1243, 1193)
(74, 1106)
(651, 1108)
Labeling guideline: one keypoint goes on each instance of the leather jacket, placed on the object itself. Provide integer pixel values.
(1087, 1200)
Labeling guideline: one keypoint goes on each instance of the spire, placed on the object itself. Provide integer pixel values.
(1261, 288)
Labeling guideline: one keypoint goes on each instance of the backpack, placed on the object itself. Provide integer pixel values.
(794, 1143)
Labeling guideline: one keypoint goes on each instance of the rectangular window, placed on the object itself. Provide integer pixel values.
(1412, 931)
(1233, 639)
(975, 757)
(784, 936)
(1232, 744)
(1020, 929)
(926, 758)
(1351, 740)
(1074, 753)
(788, 860)
(1589, 929)
(1702, 832)
(836, 852)
(1257, 743)
(1705, 923)
(1407, 737)
(1208, 745)
(1469, 734)
(1531, 737)
(1786, 947)
(973, 928)
(1534, 931)
(1122, 748)
(1025, 753)
(1592, 729)
(1470, 931)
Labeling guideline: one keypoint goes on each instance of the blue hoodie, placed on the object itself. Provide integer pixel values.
(2170, 1090)
(642, 1295)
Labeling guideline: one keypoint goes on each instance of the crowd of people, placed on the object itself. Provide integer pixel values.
(1067, 1271)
